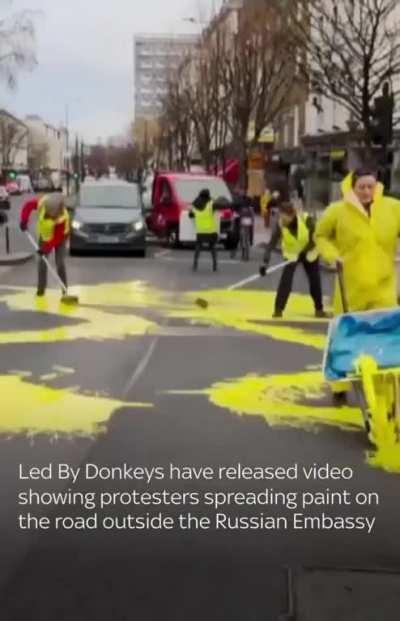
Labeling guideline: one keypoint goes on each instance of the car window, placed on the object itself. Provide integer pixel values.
(123, 196)
(165, 193)
(189, 189)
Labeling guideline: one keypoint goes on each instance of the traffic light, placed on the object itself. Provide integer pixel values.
(12, 175)
(382, 125)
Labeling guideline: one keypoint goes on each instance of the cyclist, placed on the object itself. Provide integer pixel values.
(361, 233)
(296, 233)
(243, 217)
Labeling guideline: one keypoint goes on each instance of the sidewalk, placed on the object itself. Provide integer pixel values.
(15, 258)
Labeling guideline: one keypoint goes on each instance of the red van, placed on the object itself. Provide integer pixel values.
(174, 193)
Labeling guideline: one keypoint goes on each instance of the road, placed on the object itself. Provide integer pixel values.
(139, 374)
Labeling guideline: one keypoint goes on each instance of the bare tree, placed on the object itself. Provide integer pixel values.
(351, 48)
(38, 156)
(17, 45)
(258, 73)
(207, 97)
(176, 125)
(125, 159)
(13, 137)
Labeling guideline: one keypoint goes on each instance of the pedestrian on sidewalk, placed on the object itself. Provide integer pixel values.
(361, 232)
(52, 231)
(296, 234)
(203, 213)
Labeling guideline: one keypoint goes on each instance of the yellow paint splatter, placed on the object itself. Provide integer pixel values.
(110, 311)
(251, 311)
(290, 400)
(35, 409)
(92, 323)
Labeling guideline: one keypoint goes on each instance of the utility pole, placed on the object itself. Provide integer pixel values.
(83, 171)
(76, 164)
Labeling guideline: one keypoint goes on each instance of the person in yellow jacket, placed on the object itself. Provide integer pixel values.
(265, 200)
(295, 231)
(361, 232)
(52, 229)
(206, 227)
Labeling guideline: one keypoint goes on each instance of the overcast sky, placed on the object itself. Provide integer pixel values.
(85, 54)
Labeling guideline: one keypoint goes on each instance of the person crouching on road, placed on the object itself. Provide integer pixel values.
(205, 221)
(52, 231)
(296, 234)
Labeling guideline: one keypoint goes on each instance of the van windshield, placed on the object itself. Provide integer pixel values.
(189, 189)
(119, 196)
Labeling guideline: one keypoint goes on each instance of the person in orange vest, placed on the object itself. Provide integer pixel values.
(52, 231)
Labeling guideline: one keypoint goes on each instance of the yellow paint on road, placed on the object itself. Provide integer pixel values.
(92, 323)
(295, 400)
(110, 311)
(32, 409)
(251, 311)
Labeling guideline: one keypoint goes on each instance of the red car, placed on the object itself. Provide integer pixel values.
(13, 188)
(172, 197)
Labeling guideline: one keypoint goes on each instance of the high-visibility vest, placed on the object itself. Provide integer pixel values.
(205, 220)
(46, 226)
(264, 202)
(293, 246)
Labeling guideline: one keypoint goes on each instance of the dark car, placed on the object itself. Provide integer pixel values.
(108, 216)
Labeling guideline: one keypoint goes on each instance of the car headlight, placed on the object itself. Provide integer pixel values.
(76, 225)
(138, 226)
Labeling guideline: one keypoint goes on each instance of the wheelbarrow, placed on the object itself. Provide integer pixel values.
(363, 348)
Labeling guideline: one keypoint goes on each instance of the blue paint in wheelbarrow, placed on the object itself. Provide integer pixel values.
(374, 333)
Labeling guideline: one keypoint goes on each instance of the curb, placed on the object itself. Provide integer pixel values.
(16, 258)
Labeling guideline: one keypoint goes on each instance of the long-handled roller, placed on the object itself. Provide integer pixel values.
(70, 300)
(204, 304)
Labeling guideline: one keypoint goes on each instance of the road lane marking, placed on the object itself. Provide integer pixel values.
(245, 281)
(161, 254)
(141, 367)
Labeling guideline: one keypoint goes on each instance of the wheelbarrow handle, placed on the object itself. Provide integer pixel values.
(339, 269)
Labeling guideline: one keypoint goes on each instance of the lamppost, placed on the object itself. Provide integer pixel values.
(68, 156)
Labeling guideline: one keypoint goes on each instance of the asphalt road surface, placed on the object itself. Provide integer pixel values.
(138, 374)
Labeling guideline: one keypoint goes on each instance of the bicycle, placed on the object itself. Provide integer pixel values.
(376, 383)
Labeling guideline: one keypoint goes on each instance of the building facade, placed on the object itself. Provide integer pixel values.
(154, 57)
(47, 144)
(13, 142)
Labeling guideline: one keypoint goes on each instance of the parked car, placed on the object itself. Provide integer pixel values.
(4, 198)
(172, 196)
(12, 188)
(108, 216)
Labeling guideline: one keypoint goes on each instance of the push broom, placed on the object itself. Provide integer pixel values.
(70, 300)
(202, 303)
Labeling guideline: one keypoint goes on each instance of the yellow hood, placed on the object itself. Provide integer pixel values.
(350, 197)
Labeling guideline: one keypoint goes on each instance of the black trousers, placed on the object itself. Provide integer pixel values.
(59, 252)
(209, 240)
(313, 274)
